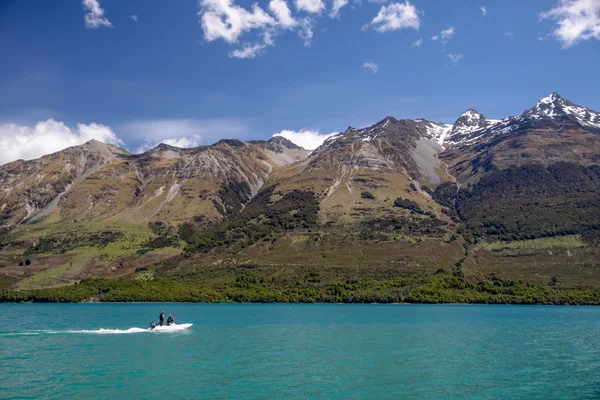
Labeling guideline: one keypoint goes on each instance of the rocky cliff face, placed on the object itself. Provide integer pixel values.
(99, 182)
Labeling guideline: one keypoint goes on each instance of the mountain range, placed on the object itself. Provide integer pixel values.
(516, 198)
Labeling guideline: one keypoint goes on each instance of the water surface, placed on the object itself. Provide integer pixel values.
(300, 351)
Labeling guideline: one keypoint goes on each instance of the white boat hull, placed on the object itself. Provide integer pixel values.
(171, 328)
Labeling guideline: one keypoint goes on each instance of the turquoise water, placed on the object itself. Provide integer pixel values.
(300, 351)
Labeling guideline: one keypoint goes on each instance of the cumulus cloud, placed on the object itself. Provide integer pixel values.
(283, 13)
(221, 19)
(454, 58)
(310, 6)
(417, 43)
(446, 35)
(134, 17)
(577, 20)
(94, 17)
(372, 66)
(483, 10)
(337, 6)
(180, 132)
(307, 138)
(45, 137)
(396, 16)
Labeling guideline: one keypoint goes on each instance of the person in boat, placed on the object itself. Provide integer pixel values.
(170, 320)
(162, 318)
(152, 325)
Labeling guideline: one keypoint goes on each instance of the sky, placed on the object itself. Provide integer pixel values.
(140, 72)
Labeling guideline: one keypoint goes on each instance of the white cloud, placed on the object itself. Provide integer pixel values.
(396, 16)
(181, 142)
(180, 132)
(283, 13)
(134, 17)
(446, 35)
(310, 6)
(483, 10)
(306, 30)
(577, 20)
(337, 5)
(221, 19)
(94, 18)
(510, 35)
(455, 58)
(45, 137)
(417, 43)
(248, 51)
(309, 139)
(372, 66)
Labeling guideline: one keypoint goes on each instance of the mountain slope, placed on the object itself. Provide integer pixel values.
(531, 178)
(98, 182)
(517, 198)
(551, 131)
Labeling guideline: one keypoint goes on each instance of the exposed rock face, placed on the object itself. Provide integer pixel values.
(388, 146)
(100, 182)
(553, 130)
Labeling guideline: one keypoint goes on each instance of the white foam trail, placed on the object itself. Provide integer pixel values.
(103, 331)
(19, 333)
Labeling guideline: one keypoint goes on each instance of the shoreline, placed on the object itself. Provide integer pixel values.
(299, 303)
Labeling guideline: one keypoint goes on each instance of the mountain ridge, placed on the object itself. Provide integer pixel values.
(402, 196)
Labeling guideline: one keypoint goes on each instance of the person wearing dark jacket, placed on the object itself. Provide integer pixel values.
(170, 320)
(162, 318)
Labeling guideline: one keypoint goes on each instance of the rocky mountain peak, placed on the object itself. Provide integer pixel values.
(471, 117)
(281, 141)
(556, 106)
(550, 106)
(469, 122)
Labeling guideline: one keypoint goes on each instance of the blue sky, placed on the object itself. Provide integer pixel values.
(171, 73)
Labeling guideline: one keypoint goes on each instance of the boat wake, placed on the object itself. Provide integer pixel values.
(103, 331)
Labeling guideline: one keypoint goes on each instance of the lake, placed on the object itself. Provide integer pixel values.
(251, 351)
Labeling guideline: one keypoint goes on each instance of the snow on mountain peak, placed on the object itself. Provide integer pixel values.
(434, 130)
(550, 106)
(471, 117)
(555, 106)
(473, 127)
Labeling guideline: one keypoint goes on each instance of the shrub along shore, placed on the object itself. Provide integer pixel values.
(441, 287)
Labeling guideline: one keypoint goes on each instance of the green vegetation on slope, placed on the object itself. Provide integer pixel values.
(260, 219)
(531, 201)
(441, 287)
